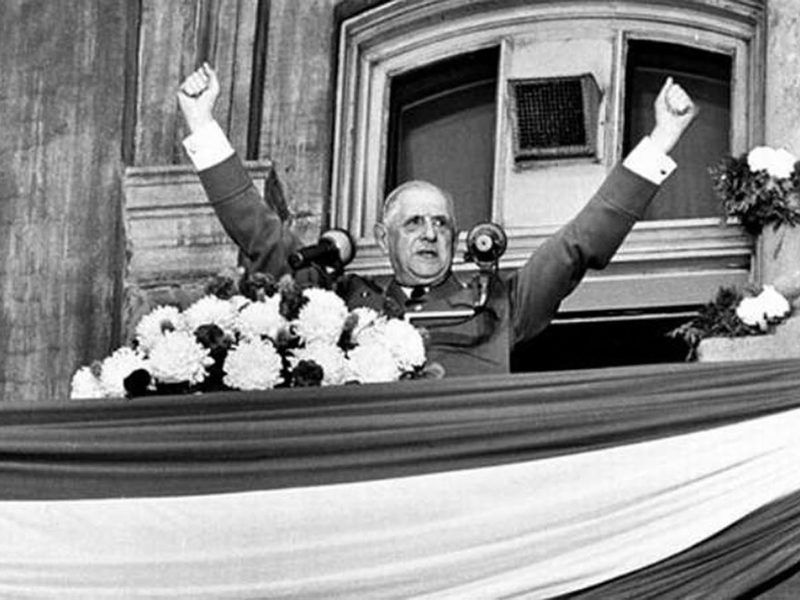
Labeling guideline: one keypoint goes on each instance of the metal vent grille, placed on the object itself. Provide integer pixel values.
(554, 117)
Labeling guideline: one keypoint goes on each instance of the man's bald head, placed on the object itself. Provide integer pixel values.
(391, 201)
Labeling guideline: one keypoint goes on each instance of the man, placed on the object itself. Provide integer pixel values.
(418, 233)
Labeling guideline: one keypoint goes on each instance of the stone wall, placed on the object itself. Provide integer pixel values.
(779, 251)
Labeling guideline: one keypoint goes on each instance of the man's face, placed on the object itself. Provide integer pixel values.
(418, 235)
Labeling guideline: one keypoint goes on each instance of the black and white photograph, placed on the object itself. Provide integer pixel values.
(400, 299)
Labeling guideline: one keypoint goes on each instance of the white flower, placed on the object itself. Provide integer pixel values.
(782, 164)
(372, 363)
(239, 302)
(253, 365)
(366, 317)
(769, 306)
(328, 356)
(177, 357)
(259, 319)
(85, 385)
(210, 310)
(401, 338)
(751, 313)
(322, 318)
(758, 159)
(778, 163)
(117, 367)
(407, 345)
(153, 325)
(774, 305)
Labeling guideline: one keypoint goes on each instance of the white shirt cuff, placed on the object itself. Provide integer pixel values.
(208, 146)
(649, 162)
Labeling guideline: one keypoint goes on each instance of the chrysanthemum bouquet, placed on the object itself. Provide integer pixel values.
(761, 188)
(256, 334)
(734, 313)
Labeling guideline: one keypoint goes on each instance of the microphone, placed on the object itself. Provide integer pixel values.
(335, 248)
(486, 243)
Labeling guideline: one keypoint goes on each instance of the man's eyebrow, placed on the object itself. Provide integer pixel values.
(414, 216)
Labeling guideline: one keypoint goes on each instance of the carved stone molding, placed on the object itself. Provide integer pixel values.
(173, 235)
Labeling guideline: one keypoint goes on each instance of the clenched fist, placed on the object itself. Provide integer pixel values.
(674, 112)
(197, 96)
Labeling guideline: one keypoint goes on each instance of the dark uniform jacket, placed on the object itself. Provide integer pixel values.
(519, 305)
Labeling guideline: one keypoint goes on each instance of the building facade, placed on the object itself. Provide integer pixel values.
(332, 103)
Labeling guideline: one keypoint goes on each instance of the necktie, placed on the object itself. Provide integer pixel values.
(417, 294)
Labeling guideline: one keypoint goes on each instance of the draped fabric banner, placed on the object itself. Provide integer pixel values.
(667, 481)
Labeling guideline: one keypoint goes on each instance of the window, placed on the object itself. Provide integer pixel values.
(442, 130)
(706, 76)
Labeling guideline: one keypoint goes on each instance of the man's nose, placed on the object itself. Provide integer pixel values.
(430, 232)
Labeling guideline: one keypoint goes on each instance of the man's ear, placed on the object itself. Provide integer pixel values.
(381, 234)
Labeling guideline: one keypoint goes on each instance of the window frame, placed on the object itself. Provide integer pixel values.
(694, 256)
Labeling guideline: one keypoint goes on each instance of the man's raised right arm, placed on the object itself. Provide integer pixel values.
(249, 221)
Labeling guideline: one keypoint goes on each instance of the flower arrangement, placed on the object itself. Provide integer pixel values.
(256, 334)
(734, 313)
(761, 188)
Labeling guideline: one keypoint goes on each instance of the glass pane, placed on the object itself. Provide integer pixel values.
(706, 76)
(442, 130)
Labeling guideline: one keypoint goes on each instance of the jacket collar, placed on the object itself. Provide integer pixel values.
(449, 291)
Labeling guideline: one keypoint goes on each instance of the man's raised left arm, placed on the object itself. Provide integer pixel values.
(592, 238)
